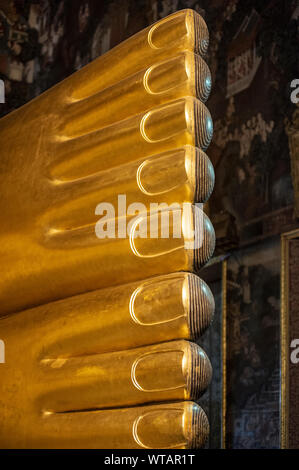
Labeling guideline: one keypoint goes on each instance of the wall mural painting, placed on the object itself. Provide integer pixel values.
(253, 60)
(253, 347)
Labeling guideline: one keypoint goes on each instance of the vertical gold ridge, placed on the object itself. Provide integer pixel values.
(284, 338)
(201, 34)
(204, 176)
(203, 125)
(199, 428)
(198, 371)
(203, 80)
(204, 239)
(201, 306)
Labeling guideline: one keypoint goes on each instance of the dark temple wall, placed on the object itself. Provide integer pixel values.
(253, 58)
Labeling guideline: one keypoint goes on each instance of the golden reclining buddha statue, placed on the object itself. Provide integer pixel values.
(101, 235)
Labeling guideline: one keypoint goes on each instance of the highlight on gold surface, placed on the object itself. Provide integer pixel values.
(64, 256)
(98, 382)
(180, 425)
(66, 148)
(173, 306)
(154, 86)
(102, 231)
(184, 30)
